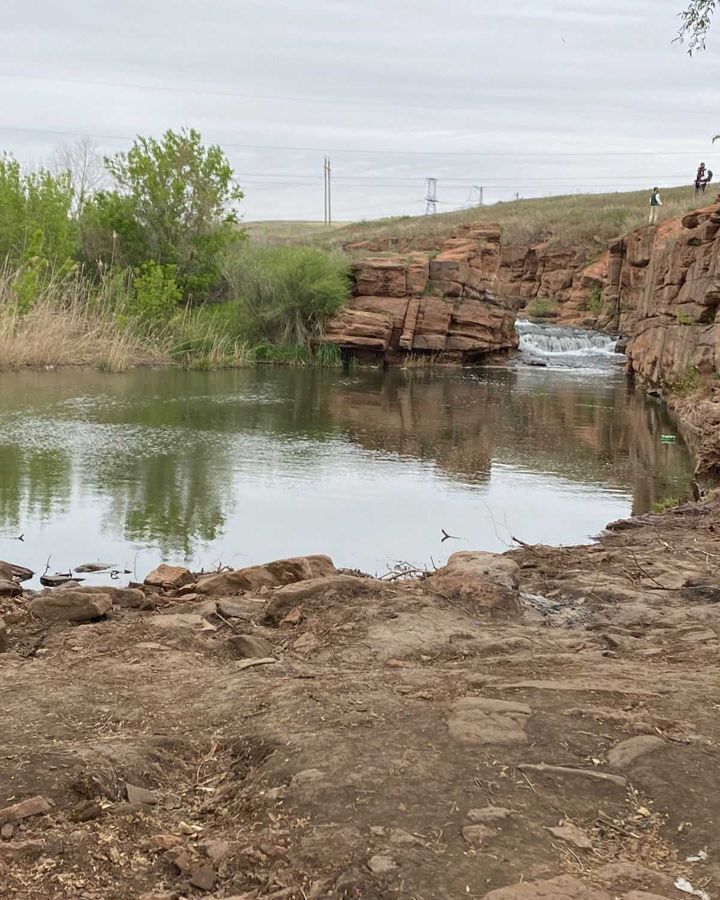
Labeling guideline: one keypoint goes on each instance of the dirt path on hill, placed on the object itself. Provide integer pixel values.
(429, 739)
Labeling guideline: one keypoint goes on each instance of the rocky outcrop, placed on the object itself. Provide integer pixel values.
(658, 287)
(670, 301)
(445, 304)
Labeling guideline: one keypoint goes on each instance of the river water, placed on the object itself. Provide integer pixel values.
(243, 466)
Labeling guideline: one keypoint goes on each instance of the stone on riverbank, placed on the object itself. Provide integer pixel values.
(270, 575)
(9, 588)
(70, 606)
(169, 577)
(487, 580)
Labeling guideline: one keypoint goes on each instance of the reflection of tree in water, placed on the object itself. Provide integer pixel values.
(164, 447)
(34, 484)
(172, 500)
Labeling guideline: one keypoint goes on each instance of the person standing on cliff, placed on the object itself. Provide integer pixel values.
(700, 179)
(655, 204)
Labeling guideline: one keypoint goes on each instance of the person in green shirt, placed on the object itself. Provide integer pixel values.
(655, 204)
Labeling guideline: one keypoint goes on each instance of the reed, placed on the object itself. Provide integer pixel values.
(67, 324)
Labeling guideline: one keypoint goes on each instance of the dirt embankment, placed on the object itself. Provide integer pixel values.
(536, 725)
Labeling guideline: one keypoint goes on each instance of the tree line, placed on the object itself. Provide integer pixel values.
(157, 227)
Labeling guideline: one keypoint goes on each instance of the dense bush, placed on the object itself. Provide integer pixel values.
(35, 219)
(155, 295)
(284, 294)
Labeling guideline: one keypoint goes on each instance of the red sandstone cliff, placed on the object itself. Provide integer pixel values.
(659, 287)
(446, 303)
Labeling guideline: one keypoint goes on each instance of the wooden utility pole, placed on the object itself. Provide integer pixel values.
(327, 173)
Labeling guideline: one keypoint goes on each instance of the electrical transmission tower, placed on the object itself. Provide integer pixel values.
(431, 200)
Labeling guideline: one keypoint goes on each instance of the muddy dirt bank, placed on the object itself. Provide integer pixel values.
(539, 724)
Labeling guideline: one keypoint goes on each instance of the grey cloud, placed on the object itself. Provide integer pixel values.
(429, 80)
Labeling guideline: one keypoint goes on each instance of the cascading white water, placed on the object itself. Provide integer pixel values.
(556, 341)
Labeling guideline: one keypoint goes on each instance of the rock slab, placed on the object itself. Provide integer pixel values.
(169, 577)
(624, 754)
(563, 888)
(70, 606)
(476, 720)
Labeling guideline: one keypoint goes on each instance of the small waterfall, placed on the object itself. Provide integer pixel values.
(557, 341)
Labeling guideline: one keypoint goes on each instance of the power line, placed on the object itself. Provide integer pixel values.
(499, 154)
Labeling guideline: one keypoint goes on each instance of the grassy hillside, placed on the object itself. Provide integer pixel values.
(587, 219)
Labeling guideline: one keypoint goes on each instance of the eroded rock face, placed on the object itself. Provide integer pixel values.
(413, 304)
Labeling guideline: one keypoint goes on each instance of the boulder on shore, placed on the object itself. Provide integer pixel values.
(270, 575)
(169, 577)
(9, 588)
(128, 598)
(70, 606)
(12, 572)
(317, 590)
(487, 580)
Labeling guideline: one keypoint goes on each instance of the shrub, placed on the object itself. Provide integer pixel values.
(155, 295)
(173, 204)
(543, 309)
(684, 383)
(285, 294)
(594, 304)
(35, 222)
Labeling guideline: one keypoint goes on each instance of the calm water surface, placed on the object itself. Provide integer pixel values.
(239, 467)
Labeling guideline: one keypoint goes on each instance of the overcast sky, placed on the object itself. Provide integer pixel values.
(535, 96)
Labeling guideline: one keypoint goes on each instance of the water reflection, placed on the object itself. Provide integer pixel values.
(369, 465)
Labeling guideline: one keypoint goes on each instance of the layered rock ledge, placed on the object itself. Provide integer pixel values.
(445, 304)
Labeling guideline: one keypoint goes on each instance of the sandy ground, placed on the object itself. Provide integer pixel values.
(422, 738)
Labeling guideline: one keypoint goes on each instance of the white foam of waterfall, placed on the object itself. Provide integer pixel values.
(558, 341)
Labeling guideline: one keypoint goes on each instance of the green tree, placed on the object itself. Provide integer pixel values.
(173, 206)
(35, 216)
(696, 21)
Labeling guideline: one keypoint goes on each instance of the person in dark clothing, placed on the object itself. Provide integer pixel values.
(699, 178)
(655, 204)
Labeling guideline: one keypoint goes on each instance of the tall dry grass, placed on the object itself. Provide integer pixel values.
(66, 324)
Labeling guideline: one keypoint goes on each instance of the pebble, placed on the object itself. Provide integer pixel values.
(477, 835)
(203, 877)
(381, 865)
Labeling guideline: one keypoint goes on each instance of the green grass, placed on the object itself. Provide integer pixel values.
(594, 303)
(684, 383)
(589, 220)
(664, 505)
(543, 309)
